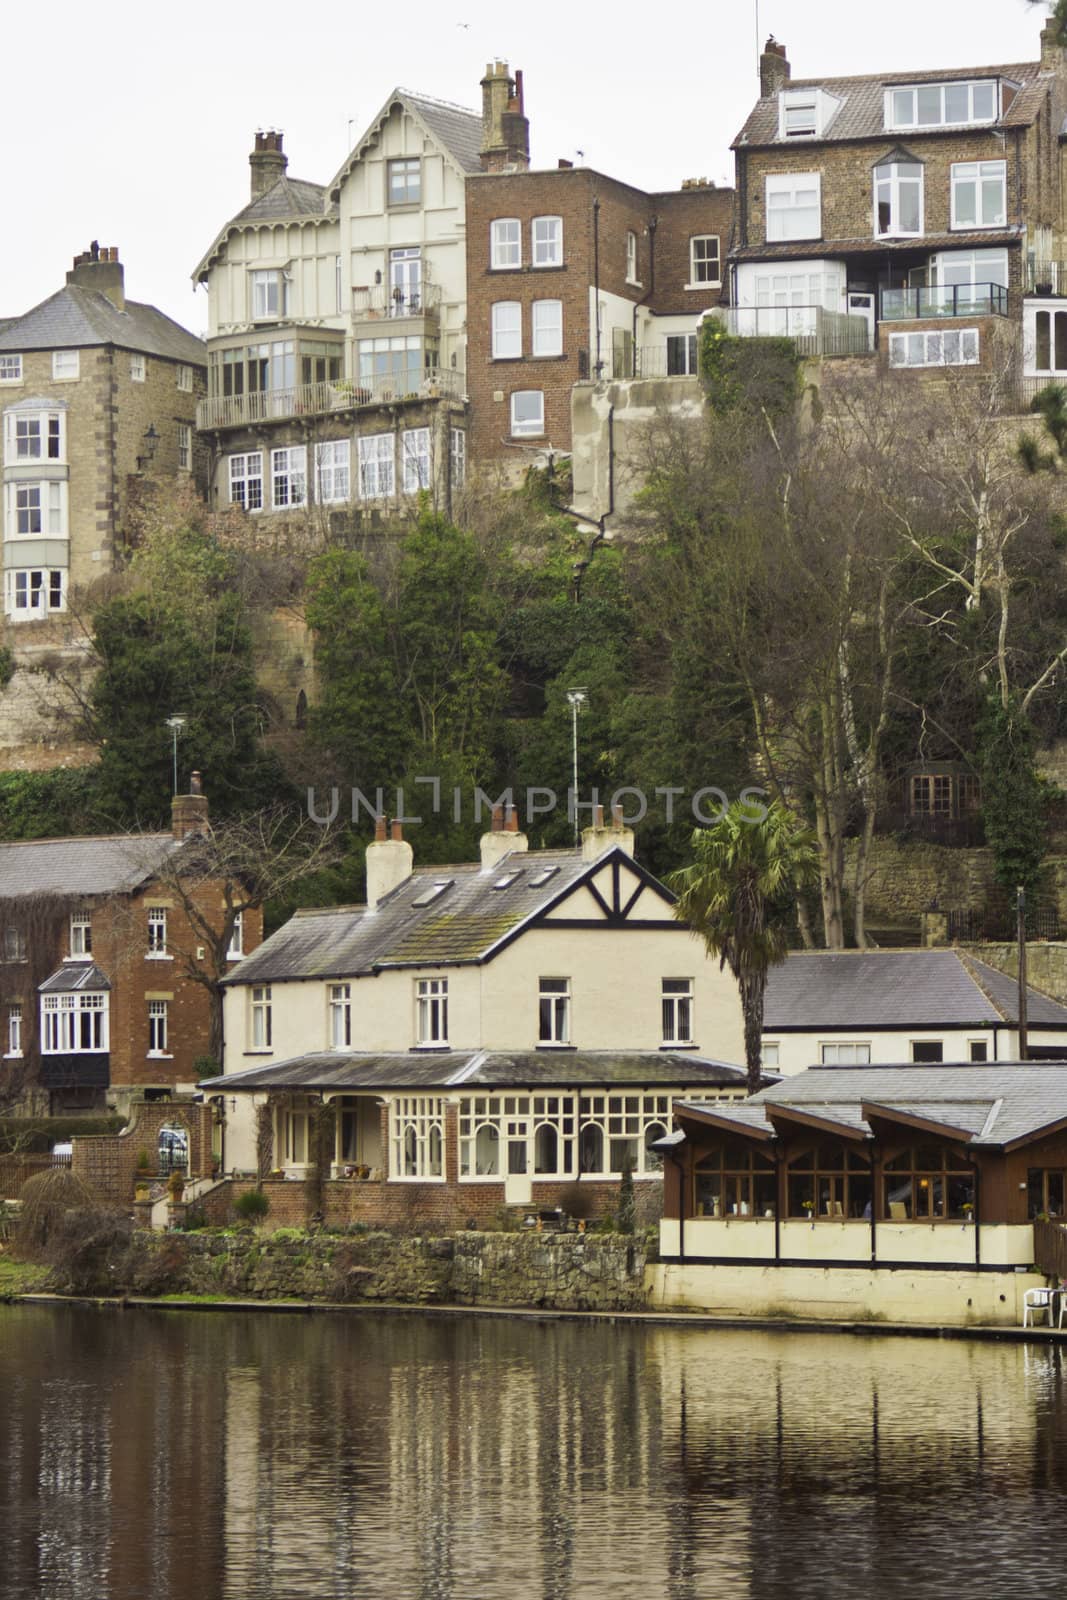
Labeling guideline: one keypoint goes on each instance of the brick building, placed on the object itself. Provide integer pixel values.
(96, 392)
(916, 213)
(572, 277)
(96, 997)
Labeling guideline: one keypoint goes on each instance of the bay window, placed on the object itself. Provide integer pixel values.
(898, 199)
(33, 436)
(34, 592)
(74, 1023)
(35, 510)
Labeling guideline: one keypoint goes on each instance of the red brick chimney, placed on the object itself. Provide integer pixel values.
(774, 68)
(189, 812)
(505, 129)
(99, 268)
(268, 161)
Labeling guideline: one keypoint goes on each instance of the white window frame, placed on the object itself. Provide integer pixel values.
(137, 368)
(36, 509)
(676, 1010)
(377, 465)
(157, 1028)
(799, 102)
(236, 949)
(431, 1013)
(631, 257)
(289, 477)
(770, 1051)
(528, 427)
(333, 472)
(268, 294)
(894, 180)
(74, 1024)
(845, 1053)
(10, 369)
(394, 165)
(246, 481)
(14, 1030)
(546, 328)
(81, 935)
(553, 1012)
(890, 108)
(415, 456)
(505, 244)
(183, 377)
(185, 447)
(51, 594)
(339, 1016)
(546, 241)
(458, 449)
(944, 261)
(157, 934)
(979, 173)
(506, 330)
(260, 1018)
(417, 1138)
(790, 184)
(66, 366)
(628, 1118)
(699, 261)
(504, 1134)
(935, 345)
(24, 429)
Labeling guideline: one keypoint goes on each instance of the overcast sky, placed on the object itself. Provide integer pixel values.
(128, 126)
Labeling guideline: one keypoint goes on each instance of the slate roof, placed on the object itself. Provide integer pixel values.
(994, 1105)
(825, 990)
(288, 197)
(112, 864)
(73, 976)
(462, 924)
(335, 1070)
(456, 129)
(862, 112)
(75, 317)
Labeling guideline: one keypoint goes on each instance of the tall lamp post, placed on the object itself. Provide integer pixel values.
(576, 699)
(176, 723)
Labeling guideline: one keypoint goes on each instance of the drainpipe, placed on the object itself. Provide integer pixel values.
(598, 368)
(652, 222)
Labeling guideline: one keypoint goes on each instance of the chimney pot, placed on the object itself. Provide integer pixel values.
(195, 785)
(396, 831)
(511, 821)
(774, 68)
(598, 817)
(379, 829)
(497, 823)
(616, 817)
(389, 862)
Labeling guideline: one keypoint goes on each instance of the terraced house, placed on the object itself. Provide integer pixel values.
(509, 1031)
(917, 214)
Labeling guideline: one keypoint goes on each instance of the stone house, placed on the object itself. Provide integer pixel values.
(96, 391)
(337, 324)
(912, 213)
(505, 1032)
(574, 277)
(908, 1194)
(97, 1004)
(834, 1007)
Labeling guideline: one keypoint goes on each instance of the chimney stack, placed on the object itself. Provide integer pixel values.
(389, 861)
(1052, 50)
(598, 838)
(505, 129)
(189, 812)
(774, 68)
(503, 838)
(100, 269)
(268, 161)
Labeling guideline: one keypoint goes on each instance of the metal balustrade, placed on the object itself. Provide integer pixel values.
(946, 300)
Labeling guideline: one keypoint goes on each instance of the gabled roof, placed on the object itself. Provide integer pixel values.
(861, 114)
(984, 1105)
(75, 317)
(481, 1069)
(829, 989)
(477, 911)
(287, 198)
(457, 131)
(112, 864)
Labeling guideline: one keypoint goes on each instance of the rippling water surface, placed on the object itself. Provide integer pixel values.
(184, 1456)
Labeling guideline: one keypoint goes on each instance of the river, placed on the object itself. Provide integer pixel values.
(166, 1455)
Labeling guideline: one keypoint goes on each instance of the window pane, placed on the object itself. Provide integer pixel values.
(957, 102)
(904, 107)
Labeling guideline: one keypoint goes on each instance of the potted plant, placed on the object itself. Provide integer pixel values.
(809, 1207)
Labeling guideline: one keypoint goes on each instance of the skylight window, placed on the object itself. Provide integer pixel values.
(539, 879)
(507, 880)
(428, 896)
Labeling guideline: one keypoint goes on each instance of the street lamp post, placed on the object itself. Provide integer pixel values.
(176, 723)
(576, 699)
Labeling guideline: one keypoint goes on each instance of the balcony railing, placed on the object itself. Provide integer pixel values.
(951, 300)
(382, 302)
(932, 828)
(1045, 277)
(814, 330)
(316, 399)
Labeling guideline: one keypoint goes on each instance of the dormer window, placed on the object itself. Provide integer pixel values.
(941, 105)
(805, 113)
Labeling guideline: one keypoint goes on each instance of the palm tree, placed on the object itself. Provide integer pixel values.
(738, 895)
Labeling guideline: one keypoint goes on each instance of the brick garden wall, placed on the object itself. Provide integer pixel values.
(108, 1162)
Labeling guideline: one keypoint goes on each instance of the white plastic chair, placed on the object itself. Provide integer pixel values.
(1037, 1300)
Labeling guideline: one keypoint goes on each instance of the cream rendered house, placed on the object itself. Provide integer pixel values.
(486, 1033)
(337, 320)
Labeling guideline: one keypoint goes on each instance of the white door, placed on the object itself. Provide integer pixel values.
(862, 305)
(405, 282)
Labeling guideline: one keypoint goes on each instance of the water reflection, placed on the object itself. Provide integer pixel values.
(168, 1454)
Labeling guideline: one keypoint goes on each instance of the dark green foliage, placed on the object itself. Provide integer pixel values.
(7, 667)
(1051, 404)
(37, 1135)
(624, 1215)
(748, 374)
(1014, 797)
(47, 805)
(252, 1206)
